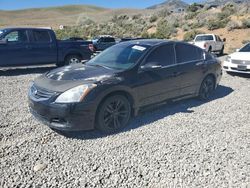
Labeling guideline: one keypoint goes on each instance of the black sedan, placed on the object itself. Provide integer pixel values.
(108, 90)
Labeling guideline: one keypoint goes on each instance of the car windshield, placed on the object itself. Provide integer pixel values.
(1, 33)
(246, 48)
(204, 37)
(119, 56)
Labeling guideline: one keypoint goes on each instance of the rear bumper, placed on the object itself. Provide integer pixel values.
(65, 117)
(230, 67)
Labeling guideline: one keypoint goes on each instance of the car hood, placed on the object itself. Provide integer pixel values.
(64, 78)
(245, 56)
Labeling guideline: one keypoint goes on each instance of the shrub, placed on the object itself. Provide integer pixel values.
(153, 19)
(189, 36)
(185, 27)
(191, 15)
(164, 30)
(216, 24)
(245, 23)
(232, 25)
(245, 41)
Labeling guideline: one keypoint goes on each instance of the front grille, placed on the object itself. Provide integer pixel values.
(240, 62)
(39, 93)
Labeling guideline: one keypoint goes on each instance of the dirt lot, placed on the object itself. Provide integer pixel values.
(185, 144)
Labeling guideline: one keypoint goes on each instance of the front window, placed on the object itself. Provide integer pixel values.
(204, 38)
(119, 56)
(245, 48)
(16, 36)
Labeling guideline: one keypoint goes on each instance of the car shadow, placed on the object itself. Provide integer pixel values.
(25, 70)
(155, 113)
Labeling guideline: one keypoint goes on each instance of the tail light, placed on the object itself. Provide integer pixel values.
(205, 45)
(91, 47)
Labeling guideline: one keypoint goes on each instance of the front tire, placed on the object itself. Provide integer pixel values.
(207, 88)
(113, 114)
(72, 59)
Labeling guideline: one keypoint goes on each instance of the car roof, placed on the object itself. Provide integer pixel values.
(149, 42)
(24, 28)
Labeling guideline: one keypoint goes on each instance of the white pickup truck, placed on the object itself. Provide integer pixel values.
(210, 43)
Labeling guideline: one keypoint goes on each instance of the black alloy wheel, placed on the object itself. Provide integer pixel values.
(207, 88)
(114, 114)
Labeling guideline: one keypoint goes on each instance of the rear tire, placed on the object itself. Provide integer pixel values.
(72, 59)
(207, 88)
(114, 114)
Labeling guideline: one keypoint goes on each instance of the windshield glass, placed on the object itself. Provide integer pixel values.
(245, 48)
(119, 56)
(1, 33)
(204, 37)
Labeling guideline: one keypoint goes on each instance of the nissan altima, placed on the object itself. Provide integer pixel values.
(108, 90)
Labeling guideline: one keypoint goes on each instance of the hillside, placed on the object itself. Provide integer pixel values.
(52, 16)
(65, 15)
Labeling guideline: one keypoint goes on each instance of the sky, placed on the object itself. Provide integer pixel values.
(23, 4)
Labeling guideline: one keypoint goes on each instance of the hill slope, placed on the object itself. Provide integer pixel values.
(52, 16)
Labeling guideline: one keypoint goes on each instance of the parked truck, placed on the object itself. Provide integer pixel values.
(38, 46)
(210, 43)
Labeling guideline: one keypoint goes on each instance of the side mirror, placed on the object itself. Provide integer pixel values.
(3, 41)
(224, 40)
(151, 66)
(237, 50)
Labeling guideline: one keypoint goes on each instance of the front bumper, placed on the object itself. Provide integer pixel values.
(65, 117)
(238, 68)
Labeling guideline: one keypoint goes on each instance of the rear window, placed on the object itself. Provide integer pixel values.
(163, 55)
(204, 38)
(109, 39)
(41, 36)
(187, 53)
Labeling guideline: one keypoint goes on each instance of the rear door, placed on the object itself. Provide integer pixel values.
(157, 85)
(44, 48)
(16, 51)
(190, 62)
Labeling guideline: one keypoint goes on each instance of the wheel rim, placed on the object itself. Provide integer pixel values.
(207, 88)
(74, 60)
(116, 114)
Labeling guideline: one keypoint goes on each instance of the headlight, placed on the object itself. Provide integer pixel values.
(228, 58)
(75, 94)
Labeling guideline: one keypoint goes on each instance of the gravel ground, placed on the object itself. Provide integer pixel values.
(185, 144)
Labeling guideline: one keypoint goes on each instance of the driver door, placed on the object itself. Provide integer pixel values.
(16, 50)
